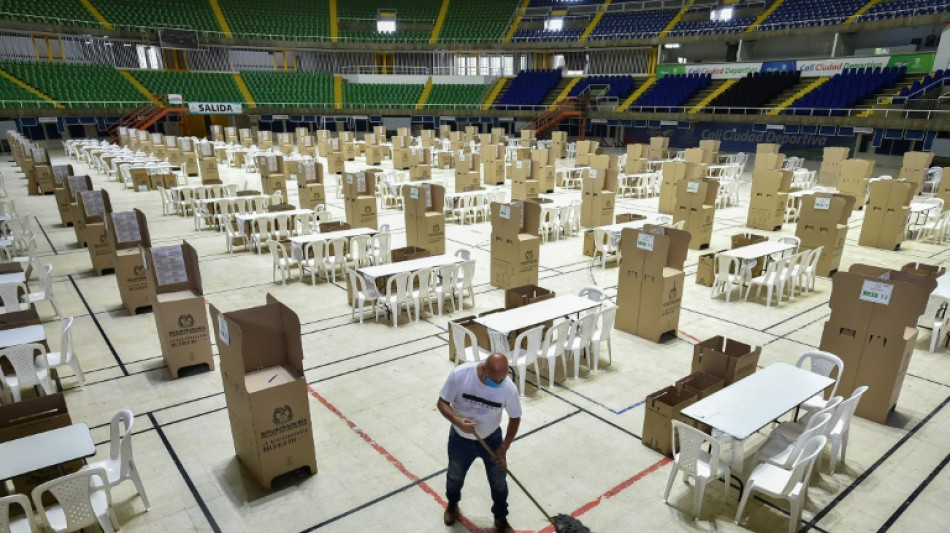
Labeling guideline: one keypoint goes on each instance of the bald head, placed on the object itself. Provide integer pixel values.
(496, 367)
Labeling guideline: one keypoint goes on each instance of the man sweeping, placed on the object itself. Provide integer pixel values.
(472, 400)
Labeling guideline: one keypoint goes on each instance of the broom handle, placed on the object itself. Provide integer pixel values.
(528, 494)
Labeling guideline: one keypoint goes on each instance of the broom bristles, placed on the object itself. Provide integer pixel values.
(568, 524)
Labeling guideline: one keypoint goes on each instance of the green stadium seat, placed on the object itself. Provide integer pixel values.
(77, 85)
(482, 21)
(456, 96)
(59, 12)
(160, 13)
(193, 86)
(420, 15)
(380, 96)
(283, 18)
(284, 89)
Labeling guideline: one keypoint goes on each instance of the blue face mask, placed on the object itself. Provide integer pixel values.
(493, 384)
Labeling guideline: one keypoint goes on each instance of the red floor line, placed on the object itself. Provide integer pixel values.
(465, 522)
(397, 464)
(577, 513)
(688, 336)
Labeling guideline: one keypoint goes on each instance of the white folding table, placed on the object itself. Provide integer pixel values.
(42, 450)
(297, 243)
(536, 313)
(22, 335)
(758, 250)
(391, 269)
(13, 277)
(751, 403)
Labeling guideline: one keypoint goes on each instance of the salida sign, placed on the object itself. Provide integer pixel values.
(213, 108)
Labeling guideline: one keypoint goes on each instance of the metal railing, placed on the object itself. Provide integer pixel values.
(707, 112)
(934, 84)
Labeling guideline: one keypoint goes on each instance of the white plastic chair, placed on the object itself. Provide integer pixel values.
(466, 345)
(84, 500)
(65, 356)
(120, 466)
(397, 296)
(312, 261)
(690, 458)
(604, 324)
(362, 292)
(581, 333)
(841, 426)
(233, 238)
(729, 276)
(23, 524)
(46, 281)
(525, 351)
(420, 283)
(781, 452)
(465, 284)
(592, 293)
(788, 483)
(359, 250)
(444, 285)
(30, 369)
(281, 262)
(335, 261)
(824, 364)
(10, 295)
(604, 247)
(793, 240)
(554, 347)
(381, 252)
(773, 279)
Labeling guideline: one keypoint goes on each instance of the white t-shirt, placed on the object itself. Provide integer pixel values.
(478, 402)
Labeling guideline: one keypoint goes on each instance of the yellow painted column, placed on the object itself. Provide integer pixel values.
(439, 21)
(245, 92)
(30, 88)
(517, 21)
(138, 85)
(594, 21)
(223, 22)
(95, 13)
(334, 23)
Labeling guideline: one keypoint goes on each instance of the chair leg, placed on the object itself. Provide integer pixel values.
(742, 501)
(74, 363)
(698, 492)
(137, 480)
(669, 483)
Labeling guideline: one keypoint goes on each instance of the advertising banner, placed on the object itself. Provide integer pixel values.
(810, 68)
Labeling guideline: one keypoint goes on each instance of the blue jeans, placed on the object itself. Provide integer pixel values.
(462, 453)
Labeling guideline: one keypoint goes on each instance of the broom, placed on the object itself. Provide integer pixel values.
(562, 523)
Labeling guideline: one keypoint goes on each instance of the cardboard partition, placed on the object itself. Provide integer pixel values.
(178, 306)
(701, 384)
(872, 328)
(922, 269)
(706, 271)
(515, 218)
(888, 209)
(408, 253)
(696, 206)
(650, 280)
(265, 389)
(724, 358)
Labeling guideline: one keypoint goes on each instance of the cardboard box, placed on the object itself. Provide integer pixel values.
(696, 206)
(724, 358)
(265, 389)
(72, 186)
(706, 271)
(524, 295)
(885, 220)
(425, 218)
(524, 190)
(470, 181)
(662, 407)
(767, 148)
(335, 163)
(128, 231)
(673, 172)
(178, 306)
(824, 222)
(408, 253)
(208, 168)
(768, 161)
(94, 207)
(922, 269)
(769, 198)
(310, 189)
(701, 384)
(651, 280)
(872, 328)
(853, 180)
(515, 245)
(493, 171)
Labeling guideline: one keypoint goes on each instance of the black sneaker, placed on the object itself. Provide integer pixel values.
(451, 513)
(502, 525)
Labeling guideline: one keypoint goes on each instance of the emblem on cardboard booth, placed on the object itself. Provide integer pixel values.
(282, 415)
(529, 255)
(186, 321)
(139, 270)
